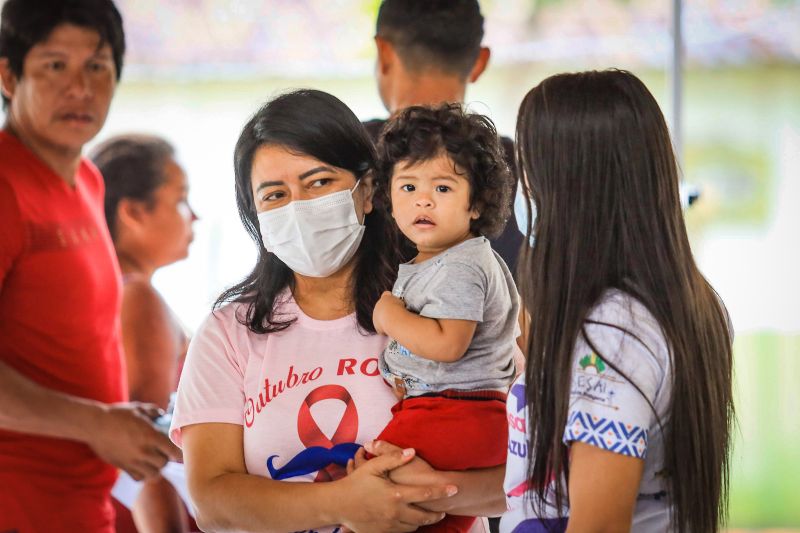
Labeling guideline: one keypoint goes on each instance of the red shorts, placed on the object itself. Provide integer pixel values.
(457, 430)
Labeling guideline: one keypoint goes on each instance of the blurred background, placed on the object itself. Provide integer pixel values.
(197, 69)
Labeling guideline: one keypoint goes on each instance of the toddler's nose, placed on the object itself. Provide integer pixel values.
(423, 200)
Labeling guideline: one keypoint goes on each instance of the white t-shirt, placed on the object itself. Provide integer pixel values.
(605, 410)
(315, 384)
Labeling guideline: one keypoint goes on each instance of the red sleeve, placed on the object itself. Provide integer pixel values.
(11, 230)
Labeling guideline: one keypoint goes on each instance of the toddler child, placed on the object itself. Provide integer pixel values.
(452, 314)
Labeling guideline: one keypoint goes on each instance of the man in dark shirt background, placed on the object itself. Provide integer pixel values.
(428, 51)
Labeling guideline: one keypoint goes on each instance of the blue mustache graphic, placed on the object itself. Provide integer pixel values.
(313, 459)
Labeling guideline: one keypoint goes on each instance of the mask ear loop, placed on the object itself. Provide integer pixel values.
(358, 182)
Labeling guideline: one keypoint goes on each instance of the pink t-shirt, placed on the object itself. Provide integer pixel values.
(315, 384)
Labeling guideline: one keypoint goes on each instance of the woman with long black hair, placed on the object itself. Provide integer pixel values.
(622, 420)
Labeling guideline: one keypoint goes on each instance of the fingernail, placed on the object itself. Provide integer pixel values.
(408, 452)
(452, 490)
(369, 445)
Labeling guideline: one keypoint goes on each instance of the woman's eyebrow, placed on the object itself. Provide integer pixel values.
(304, 175)
(265, 184)
(315, 170)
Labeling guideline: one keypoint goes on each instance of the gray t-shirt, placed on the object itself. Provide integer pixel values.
(466, 282)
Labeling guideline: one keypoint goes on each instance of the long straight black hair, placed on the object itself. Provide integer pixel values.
(596, 158)
(321, 126)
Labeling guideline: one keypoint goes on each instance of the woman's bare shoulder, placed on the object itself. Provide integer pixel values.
(141, 299)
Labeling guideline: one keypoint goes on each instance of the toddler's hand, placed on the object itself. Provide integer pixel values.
(382, 309)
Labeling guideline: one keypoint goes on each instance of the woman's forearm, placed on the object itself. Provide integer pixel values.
(480, 493)
(228, 498)
(242, 502)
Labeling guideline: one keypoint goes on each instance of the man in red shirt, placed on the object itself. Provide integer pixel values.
(63, 427)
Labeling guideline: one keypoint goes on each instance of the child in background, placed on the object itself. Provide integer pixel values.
(452, 314)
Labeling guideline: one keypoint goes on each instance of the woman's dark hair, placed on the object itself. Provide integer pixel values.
(595, 156)
(132, 167)
(25, 23)
(419, 133)
(321, 126)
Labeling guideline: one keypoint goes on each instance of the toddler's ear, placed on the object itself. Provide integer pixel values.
(474, 214)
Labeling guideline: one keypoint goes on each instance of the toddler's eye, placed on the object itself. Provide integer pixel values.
(407, 188)
(442, 188)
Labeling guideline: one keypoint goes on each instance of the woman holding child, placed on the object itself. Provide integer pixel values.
(281, 383)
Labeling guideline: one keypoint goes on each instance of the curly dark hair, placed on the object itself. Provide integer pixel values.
(419, 133)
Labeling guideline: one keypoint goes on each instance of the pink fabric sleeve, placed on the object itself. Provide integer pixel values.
(211, 387)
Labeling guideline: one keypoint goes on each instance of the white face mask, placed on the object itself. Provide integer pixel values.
(316, 237)
(521, 211)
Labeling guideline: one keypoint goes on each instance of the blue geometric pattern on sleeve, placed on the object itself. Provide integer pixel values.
(607, 434)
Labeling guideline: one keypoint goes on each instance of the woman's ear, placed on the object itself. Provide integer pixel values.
(368, 192)
(130, 215)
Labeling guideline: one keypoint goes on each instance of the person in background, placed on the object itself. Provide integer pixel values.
(427, 54)
(150, 221)
(622, 421)
(64, 429)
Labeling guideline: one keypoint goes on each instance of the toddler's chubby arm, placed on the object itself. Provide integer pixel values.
(443, 340)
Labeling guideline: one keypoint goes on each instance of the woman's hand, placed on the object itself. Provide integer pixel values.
(376, 504)
(358, 460)
(417, 471)
(480, 491)
(384, 308)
